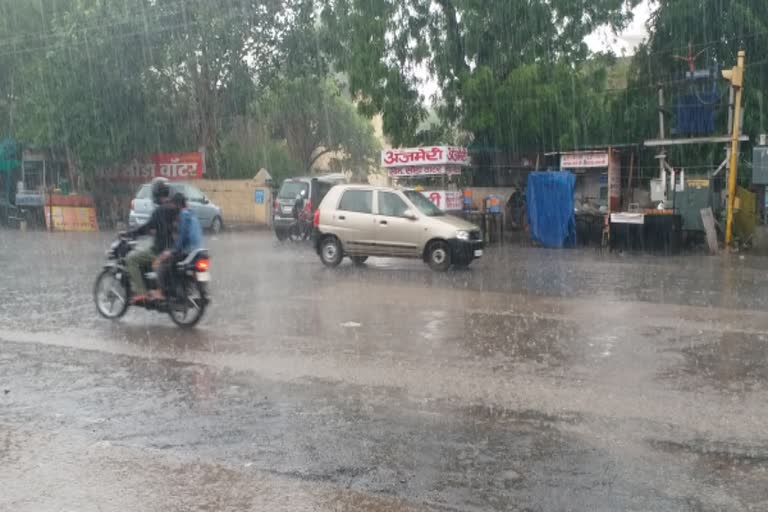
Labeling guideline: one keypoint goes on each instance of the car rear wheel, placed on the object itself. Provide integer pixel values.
(331, 252)
(439, 256)
(281, 234)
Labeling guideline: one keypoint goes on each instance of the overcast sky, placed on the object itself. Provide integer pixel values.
(626, 42)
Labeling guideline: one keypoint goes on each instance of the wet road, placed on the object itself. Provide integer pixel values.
(537, 381)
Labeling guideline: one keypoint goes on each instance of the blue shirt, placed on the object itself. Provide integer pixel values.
(190, 233)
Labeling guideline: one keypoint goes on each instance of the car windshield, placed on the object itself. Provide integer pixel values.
(424, 205)
(145, 192)
(291, 189)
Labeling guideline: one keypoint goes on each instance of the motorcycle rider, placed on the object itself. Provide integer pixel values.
(161, 222)
(301, 222)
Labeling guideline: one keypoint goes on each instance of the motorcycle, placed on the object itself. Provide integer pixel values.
(301, 228)
(185, 301)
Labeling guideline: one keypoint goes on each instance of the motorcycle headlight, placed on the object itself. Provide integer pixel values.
(462, 235)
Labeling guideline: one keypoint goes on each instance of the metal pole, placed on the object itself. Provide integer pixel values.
(736, 77)
(662, 150)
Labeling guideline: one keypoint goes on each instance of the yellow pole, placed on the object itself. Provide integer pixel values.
(736, 77)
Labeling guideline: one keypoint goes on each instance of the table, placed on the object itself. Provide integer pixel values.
(657, 233)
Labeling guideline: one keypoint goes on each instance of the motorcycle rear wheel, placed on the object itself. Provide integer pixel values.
(187, 309)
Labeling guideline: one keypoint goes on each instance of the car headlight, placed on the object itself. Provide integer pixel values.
(462, 235)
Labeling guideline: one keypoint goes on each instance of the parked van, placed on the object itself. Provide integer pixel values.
(311, 190)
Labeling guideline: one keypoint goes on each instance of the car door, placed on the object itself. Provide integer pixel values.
(142, 206)
(354, 222)
(396, 234)
(196, 203)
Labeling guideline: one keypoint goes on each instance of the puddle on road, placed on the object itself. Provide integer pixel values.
(741, 470)
(483, 412)
(51, 473)
(735, 361)
(521, 338)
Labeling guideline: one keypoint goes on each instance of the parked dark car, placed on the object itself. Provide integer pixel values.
(311, 190)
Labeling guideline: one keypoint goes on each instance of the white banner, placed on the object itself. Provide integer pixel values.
(583, 160)
(425, 170)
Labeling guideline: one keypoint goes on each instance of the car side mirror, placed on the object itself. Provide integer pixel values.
(205, 200)
(408, 214)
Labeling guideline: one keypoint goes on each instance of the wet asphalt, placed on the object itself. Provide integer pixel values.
(536, 381)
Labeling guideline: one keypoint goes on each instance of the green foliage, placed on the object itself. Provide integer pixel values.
(720, 30)
(244, 152)
(316, 120)
(477, 50)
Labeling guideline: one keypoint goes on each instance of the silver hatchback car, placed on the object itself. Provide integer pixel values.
(207, 213)
(361, 221)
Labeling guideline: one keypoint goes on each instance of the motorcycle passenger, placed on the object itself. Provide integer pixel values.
(189, 238)
(161, 222)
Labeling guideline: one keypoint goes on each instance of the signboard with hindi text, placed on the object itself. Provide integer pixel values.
(584, 160)
(173, 166)
(424, 170)
(71, 218)
(445, 200)
(425, 156)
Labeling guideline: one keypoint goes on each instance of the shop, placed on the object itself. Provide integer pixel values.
(598, 178)
(433, 170)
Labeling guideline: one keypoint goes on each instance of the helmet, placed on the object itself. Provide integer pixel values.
(179, 200)
(160, 190)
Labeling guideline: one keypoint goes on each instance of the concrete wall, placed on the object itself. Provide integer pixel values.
(236, 198)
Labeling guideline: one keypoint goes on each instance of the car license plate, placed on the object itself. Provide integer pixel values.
(478, 253)
(203, 277)
(287, 210)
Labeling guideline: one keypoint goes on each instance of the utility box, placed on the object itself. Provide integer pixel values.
(760, 165)
(689, 202)
(657, 190)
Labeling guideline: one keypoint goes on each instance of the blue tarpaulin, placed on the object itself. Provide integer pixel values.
(696, 114)
(550, 208)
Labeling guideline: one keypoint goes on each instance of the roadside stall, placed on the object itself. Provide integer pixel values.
(433, 170)
(597, 190)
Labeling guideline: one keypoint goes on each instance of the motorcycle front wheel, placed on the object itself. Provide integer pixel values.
(186, 309)
(111, 295)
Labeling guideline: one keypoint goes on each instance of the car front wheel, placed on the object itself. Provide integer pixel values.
(439, 256)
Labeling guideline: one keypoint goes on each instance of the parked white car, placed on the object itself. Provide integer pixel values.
(208, 214)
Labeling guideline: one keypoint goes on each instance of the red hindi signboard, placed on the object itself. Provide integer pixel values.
(430, 155)
(179, 166)
(173, 166)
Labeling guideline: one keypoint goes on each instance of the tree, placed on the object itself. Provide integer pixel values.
(471, 47)
(316, 120)
(82, 88)
(114, 81)
(718, 30)
(215, 53)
